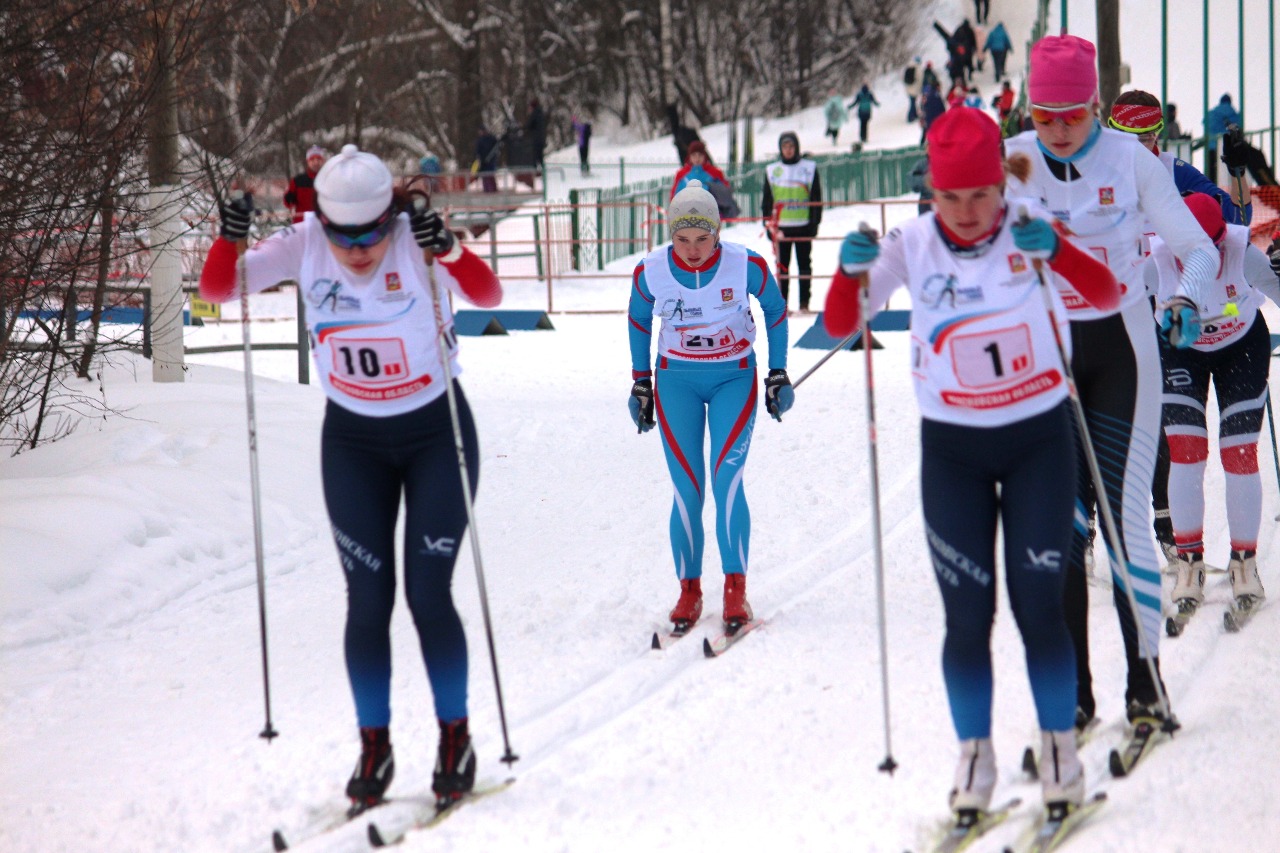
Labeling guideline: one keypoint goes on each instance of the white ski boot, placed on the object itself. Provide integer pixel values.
(1061, 773)
(1190, 584)
(1243, 569)
(975, 776)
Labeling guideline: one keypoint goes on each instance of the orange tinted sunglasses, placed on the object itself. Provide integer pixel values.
(1071, 116)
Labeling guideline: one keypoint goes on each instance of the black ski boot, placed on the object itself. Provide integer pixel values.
(374, 771)
(455, 773)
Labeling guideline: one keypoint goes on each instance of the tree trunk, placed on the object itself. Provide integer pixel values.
(106, 210)
(1108, 12)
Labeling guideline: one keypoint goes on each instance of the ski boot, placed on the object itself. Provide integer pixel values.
(374, 771)
(975, 778)
(1188, 591)
(455, 773)
(689, 608)
(1164, 536)
(737, 612)
(1246, 585)
(1061, 774)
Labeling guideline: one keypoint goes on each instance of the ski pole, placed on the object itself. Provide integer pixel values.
(442, 334)
(888, 765)
(268, 731)
(849, 339)
(1121, 561)
(1275, 455)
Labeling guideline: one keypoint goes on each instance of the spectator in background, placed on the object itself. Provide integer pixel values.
(931, 107)
(835, 114)
(1172, 130)
(981, 11)
(864, 101)
(300, 197)
(955, 97)
(1000, 46)
(698, 167)
(912, 78)
(1216, 122)
(535, 131)
(582, 130)
(793, 181)
(973, 99)
(487, 159)
(1003, 105)
(979, 52)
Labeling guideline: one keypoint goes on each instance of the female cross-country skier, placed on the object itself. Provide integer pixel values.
(1108, 190)
(387, 430)
(996, 434)
(698, 286)
(1234, 350)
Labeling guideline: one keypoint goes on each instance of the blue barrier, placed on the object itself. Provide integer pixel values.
(112, 314)
(475, 323)
(886, 321)
(524, 321)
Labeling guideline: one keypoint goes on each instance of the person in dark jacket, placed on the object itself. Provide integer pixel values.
(1000, 46)
(487, 158)
(300, 196)
(535, 131)
(932, 107)
(864, 101)
(793, 183)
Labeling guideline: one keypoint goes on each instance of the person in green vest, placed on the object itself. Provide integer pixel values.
(792, 185)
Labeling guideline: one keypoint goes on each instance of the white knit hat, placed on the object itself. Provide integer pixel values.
(693, 207)
(353, 187)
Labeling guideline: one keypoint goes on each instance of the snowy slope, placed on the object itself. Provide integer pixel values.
(130, 680)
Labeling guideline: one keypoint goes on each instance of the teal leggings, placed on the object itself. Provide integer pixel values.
(688, 401)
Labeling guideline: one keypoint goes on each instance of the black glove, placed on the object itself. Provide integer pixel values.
(779, 397)
(641, 404)
(236, 213)
(428, 229)
(1235, 152)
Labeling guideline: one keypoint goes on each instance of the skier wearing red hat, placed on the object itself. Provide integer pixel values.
(996, 432)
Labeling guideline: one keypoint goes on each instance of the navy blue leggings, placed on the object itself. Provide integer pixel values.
(367, 464)
(1021, 475)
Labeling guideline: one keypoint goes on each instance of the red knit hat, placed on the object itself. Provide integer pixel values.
(1208, 212)
(964, 150)
(1063, 71)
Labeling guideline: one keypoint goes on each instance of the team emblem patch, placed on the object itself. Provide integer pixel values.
(1017, 263)
(1106, 195)
(726, 294)
(393, 281)
(1231, 291)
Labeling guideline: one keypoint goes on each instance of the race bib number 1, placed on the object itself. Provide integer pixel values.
(992, 358)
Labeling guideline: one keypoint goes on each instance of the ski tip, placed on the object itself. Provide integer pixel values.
(277, 841)
(375, 837)
(656, 643)
(706, 648)
(1118, 769)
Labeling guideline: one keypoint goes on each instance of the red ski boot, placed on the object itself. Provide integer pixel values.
(737, 612)
(689, 608)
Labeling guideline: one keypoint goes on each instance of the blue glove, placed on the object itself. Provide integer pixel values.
(858, 252)
(779, 396)
(641, 405)
(1180, 323)
(1036, 238)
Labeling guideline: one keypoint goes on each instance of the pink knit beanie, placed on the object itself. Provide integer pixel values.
(1063, 71)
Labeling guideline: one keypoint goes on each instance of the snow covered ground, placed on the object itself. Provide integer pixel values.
(130, 679)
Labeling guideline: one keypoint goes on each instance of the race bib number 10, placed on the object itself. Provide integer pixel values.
(369, 360)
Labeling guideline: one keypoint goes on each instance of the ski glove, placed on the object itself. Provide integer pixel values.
(1235, 152)
(859, 251)
(779, 396)
(428, 229)
(641, 405)
(236, 214)
(1275, 256)
(1036, 238)
(1180, 323)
